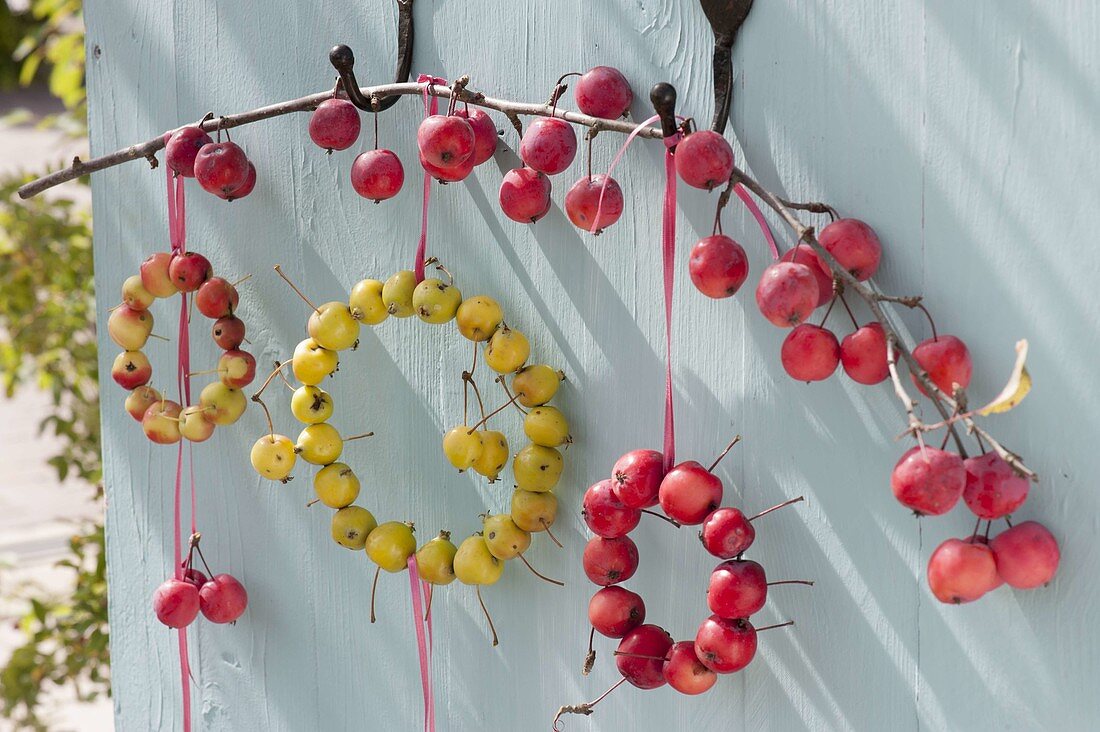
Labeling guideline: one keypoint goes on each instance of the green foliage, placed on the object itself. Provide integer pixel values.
(47, 340)
(46, 42)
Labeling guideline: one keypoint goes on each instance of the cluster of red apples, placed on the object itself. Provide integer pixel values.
(931, 481)
(179, 600)
(451, 145)
(689, 494)
(130, 325)
(221, 168)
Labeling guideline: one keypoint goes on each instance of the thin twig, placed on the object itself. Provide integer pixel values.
(147, 150)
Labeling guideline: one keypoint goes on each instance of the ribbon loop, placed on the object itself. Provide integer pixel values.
(419, 589)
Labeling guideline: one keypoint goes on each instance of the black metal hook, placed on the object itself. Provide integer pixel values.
(726, 17)
(343, 60)
(663, 97)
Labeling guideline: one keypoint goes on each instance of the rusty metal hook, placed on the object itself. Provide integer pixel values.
(343, 60)
(663, 97)
(726, 17)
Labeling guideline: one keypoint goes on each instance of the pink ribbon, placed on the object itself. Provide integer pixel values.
(668, 257)
(431, 106)
(177, 235)
(759, 216)
(419, 589)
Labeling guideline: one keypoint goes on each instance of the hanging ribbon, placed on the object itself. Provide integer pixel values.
(757, 214)
(177, 236)
(431, 106)
(668, 257)
(419, 590)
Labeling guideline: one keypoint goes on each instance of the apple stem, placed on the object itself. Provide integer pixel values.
(358, 437)
(203, 373)
(828, 312)
(209, 572)
(855, 323)
(279, 271)
(491, 414)
(550, 533)
(721, 455)
(590, 657)
(160, 337)
(243, 279)
(373, 589)
(585, 708)
(778, 506)
(477, 589)
(270, 424)
(539, 574)
(278, 369)
(792, 582)
(468, 377)
(500, 380)
(777, 625)
(639, 655)
(310, 503)
(428, 610)
(674, 522)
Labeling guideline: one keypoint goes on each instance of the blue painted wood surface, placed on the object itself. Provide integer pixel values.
(965, 133)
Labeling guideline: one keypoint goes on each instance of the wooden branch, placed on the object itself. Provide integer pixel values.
(147, 150)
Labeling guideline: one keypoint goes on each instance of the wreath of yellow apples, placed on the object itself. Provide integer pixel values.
(536, 469)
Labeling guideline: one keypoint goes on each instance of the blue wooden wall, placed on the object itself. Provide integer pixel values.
(965, 133)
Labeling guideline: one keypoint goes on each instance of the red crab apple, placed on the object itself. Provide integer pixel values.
(582, 201)
(615, 611)
(445, 141)
(140, 399)
(636, 478)
(928, 480)
(689, 492)
(244, 188)
(725, 645)
(854, 245)
(182, 147)
(704, 159)
(335, 124)
(645, 640)
(161, 422)
(129, 328)
(176, 603)
(525, 195)
(228, 332)
(787, 293)
(805, 254)
(810, 353)
(683, 670)
(448, 175)
(216, 298)
(131, 369)
(195, 577)
(237, 368)
(993, 489)
(863, 354)
(548, 145)
(377, 175)
(727, 532)
(605, 515)
(1027, 555)
(718, 266)
(947, 361)
(154, 275)
(610, 561)
(961, 571)
(221, 168)
(737, 589)
(603, 92)
(485, 134)
(189, 270)
(223, 599)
